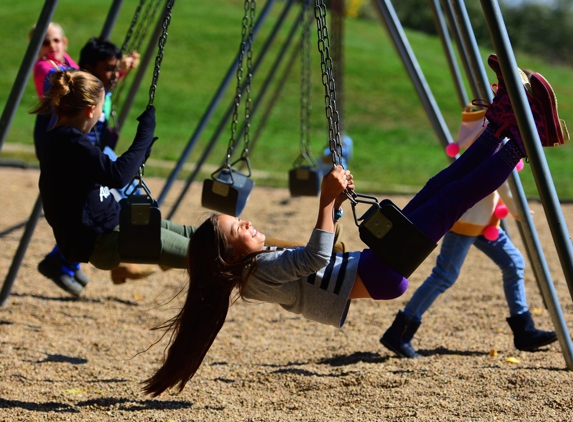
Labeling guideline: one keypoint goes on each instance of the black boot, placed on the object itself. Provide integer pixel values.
(398, 337)
(526, 336)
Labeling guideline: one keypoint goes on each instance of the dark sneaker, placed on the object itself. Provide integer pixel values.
(51, 267)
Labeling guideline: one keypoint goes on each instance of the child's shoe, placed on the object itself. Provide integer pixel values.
(542, 101)
(122, 272)
(53, 267)
(557, 132)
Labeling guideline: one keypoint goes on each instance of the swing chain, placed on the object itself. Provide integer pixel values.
(140, 33)
(328, 81)
(334, 143)
(127, 38)
(245, 48)
(143, 27)
(305, 86)
(161, 45)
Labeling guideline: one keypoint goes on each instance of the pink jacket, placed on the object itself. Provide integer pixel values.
(44, 65)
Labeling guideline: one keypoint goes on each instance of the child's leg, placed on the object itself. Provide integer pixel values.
(446, 206)
(483, 148)
(455, 248)
(381, 281)
(512, 265)
(174, 244)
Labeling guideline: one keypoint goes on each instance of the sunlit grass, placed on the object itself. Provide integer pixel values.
(395, 146)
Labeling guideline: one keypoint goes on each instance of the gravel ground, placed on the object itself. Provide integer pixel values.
(68, 359)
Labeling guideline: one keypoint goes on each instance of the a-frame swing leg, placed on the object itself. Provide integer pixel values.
(21, 251)
(478, 80)
(540, 170)
(404, 49)
(6, 120)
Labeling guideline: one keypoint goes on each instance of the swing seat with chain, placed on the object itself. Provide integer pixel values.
(383, 227)
(140, 217)
(304, 181)
(228, 190)
(140, 234)
(305, 177)
(140, 227)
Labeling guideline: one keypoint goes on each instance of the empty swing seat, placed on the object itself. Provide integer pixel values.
(304, 181)
(140, 230)
(394, 238)
(228, 192)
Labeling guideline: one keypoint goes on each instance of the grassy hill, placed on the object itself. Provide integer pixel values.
(395, 148)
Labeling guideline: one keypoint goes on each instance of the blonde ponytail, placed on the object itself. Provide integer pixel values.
(71, 92)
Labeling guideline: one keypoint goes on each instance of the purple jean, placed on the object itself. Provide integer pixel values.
(441, 202)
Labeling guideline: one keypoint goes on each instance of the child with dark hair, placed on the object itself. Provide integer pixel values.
(228, 254)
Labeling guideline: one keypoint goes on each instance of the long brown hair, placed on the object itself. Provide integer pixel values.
(71, 92)
(213, 274)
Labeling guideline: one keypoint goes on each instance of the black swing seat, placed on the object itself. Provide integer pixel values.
(140, 230)
(228, 192)
(304, 181)
(394, 238)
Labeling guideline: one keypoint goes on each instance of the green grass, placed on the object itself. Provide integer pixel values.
(395, 148)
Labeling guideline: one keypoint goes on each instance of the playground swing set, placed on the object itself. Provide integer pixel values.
(383, 223)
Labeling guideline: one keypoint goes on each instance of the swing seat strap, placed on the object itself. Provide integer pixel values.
(228, 192)
(140, 230)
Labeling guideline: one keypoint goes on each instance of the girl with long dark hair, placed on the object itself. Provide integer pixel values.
(227, 254)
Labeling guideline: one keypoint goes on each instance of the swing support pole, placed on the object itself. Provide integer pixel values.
(111, 19)
(21, 251)
(223, 122)
(270, 76)
(539, 167)
(402, 45)
(450, 56)
(274, 97)
(11, 106)
(525, 225)
(23, 74)
(210, 110)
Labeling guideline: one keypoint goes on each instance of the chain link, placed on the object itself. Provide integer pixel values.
(332, 117)
(337, 37)
(145, 24)
(128, 48)
(161, 45)
(245, 48)
(305, 86)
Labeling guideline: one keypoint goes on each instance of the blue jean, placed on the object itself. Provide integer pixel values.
(453, 252)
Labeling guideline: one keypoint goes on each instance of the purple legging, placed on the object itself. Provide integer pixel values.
(444, 199)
